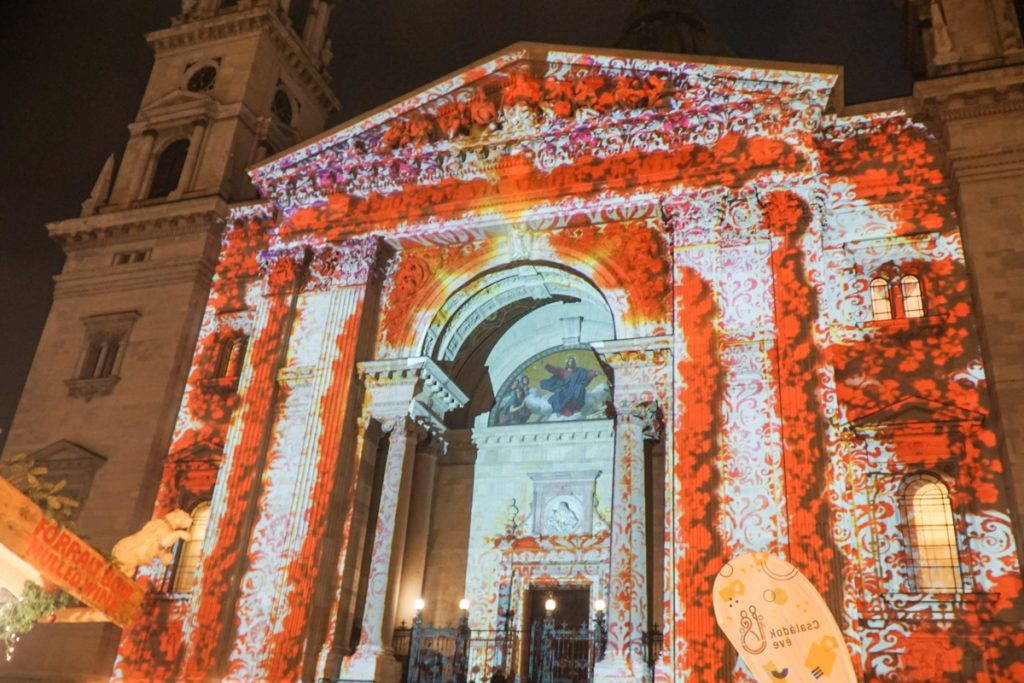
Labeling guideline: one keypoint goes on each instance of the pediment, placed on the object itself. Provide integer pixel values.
(177, 99)
(914, 410)
(520, 100)
(198, 451)
(64, 453)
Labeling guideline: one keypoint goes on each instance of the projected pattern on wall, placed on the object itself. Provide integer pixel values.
(718, 206)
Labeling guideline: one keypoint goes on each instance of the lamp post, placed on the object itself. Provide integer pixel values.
(653, 641)
(462, 637)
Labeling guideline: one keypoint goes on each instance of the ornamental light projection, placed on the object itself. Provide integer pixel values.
(732, 229)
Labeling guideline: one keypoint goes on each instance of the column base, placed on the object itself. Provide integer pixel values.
(367, 665)
(617, 670)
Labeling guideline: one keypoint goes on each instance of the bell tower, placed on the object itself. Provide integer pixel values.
(233, 81)
(946, 37)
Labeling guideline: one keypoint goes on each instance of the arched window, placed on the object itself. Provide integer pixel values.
(913, 300)
(190, 552)
(230, 354)
(881, 304)
(168, 169)
(931, 535)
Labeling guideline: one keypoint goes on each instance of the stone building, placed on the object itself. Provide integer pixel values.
(579, 325)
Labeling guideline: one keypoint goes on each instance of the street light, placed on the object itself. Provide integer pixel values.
(463, 604)
(418, 604)
(550, 604)
(600, 605)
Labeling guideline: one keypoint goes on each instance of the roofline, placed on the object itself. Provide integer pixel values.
(525, 50)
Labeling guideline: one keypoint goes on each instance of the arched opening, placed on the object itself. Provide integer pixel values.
(529, 459)
(169, 166)
(190, 553)
(931, 534)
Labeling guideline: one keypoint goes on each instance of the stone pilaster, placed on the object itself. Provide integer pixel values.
(304, 474)
(238, 483)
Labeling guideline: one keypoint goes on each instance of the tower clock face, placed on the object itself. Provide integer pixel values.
(282, 107)
(202, 79)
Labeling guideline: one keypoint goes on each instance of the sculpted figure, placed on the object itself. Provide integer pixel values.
(154, 539)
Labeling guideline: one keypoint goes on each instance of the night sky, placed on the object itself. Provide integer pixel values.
(76, 69)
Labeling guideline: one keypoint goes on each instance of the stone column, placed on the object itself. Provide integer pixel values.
(143, 165)
(641, 378)
(373, 660)
(418, 531)
(354, 534)
(195, 148)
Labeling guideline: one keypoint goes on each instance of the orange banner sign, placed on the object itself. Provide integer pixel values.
(779, 623)
(65, 559)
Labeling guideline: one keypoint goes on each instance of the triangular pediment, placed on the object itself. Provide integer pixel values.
(914, 410)
(178, 100)
(198, 451)
(63, 452)
(528, 96)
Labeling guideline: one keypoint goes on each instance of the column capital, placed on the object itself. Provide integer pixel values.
(281, 269)
(346, 264)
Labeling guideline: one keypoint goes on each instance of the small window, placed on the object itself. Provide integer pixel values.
(100, 358)
(282, 107)
(123, 257)
(168, 170)
(881, 304)
(913, 300)
(202, 79)
(931, 535)
(190, 552)
(230, 355)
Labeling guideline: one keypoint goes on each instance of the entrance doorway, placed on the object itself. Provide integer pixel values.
(558, 641)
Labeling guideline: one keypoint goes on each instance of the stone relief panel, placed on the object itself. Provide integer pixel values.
(563, 502)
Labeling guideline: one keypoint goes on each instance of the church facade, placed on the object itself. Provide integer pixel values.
(487, 310)
(575, 326)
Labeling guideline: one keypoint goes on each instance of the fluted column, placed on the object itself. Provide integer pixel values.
(373, 660)
(354, 536)
(641, 380)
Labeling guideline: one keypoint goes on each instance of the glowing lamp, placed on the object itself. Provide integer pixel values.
(463, 604)
(550, 604)
(418, 604)
(600, 605)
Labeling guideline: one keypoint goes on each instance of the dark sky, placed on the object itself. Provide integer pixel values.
(75, 71)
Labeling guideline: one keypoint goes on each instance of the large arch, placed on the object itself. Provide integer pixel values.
(478, 301)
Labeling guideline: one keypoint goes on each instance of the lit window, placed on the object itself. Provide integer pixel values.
(881, 304)
(190, 552)
(913, 301)
(168, 170)
(931, 535)
(230, 354)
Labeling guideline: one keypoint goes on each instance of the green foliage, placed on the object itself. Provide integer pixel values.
(30, 477)
(20, 615)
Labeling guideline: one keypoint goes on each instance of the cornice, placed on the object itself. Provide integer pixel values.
(131, 277)
(586, 431)
(189, 216)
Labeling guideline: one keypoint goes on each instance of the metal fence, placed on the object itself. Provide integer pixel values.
(547, 653)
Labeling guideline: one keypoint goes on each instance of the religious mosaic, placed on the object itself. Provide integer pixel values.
(554, 386)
